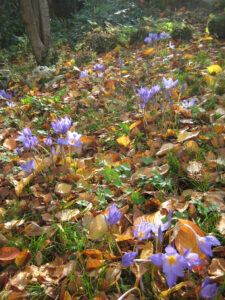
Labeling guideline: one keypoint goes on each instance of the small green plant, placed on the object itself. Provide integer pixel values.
(112, 176)
(174, 163)
(137, 198)
(102, 194)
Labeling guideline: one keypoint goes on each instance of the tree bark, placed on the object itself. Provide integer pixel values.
(36, 18)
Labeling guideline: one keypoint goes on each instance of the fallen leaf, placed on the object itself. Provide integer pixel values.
(67, 214)
(93, 263)
(98, 227)
(8, 254)
(214, 69)
(217, 267)
(22, 257)
(185, 135)
(62, 188)
(123, 140)
(10, 143)
(148, 52)
(221, 224)
(166, 148)
(186, 239)
(113, 274)
(147, 251)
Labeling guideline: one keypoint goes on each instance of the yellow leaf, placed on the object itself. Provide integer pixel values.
(123, 140)
(189, 56)
(209, 79)
(214, 69)
(67, 296)
(135, 124)
(175, 288)
(124, 72)
(22, 257)
(148, 52)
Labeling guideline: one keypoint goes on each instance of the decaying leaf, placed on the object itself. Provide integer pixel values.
(8, 254)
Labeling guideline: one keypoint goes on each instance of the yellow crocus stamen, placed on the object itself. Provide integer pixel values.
(171, 259)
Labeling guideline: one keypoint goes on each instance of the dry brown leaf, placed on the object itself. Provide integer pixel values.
(8, 254)
(93, 263)
(67, 214)
(147, 251)
(93, 253)
(217, 267)
(221, 224)
(113, 274)
(98, 227)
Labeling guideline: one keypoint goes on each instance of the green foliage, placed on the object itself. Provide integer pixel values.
(106, 14)
(101, 42)
(182, 33)
(173, 162)
(112, 176)
(216, 26)
(10, 23)
(139, 35)
(137, 198)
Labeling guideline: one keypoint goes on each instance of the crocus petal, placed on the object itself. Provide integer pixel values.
(157, 259)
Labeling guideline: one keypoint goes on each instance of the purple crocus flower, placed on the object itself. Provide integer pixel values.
(10, 104)
(62, 125)
(173, 264)
(4, 95)
(53, 152)
(29, 166)
(48, 141)
(163, 35)
(128, 259)
(30, 142)
(143, 231)
(145, 95)
(168, 84)
(188, 103)
(170, 45)
(98, 67)
(73, 138)
(24, 134)
(19, 152)
(61, 142)
(205, 243)
(155, 89)
(208, 291)
(151, 37)
(192, 259)
(83, 74)
(114, 215)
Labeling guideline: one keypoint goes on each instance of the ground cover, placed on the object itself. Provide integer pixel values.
(110, 175)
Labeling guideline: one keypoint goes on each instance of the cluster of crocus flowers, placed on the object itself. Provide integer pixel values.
(154, 37)
(173, 264)
(146, 94)
(60, 126)
(28, 140)
(4, 95)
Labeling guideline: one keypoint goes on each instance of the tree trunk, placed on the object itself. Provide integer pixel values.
(36, 18)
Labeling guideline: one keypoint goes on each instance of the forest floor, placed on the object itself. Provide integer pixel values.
(60, 237)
